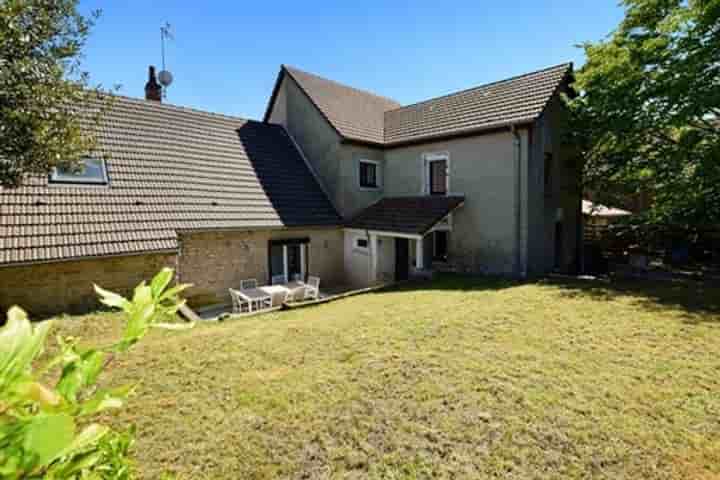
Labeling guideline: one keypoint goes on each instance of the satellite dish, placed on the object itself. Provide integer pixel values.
(165, 78)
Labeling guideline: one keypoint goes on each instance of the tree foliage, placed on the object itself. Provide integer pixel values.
(43, 92)
(646, 117)
(47, 430)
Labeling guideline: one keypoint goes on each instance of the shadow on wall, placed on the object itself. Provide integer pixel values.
(292, 189)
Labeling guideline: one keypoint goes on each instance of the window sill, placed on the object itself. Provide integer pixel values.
(370, 189)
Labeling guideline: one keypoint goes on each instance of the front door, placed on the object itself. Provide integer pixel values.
(402, 259)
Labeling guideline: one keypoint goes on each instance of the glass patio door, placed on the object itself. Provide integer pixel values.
(288, 259)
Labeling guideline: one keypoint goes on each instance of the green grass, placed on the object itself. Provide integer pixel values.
(458, 378)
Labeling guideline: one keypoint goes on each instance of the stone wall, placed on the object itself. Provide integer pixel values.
(211, 261)
(67, 287)
(216, 261)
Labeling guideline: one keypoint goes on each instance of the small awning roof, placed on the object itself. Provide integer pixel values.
(410, 215)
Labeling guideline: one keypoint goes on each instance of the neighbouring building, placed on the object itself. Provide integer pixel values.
(335, 182)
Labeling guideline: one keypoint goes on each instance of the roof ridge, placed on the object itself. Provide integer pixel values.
(182, 108)
(289, 69)
(567, 65)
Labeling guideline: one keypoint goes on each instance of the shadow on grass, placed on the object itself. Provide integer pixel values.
(699, 301)
(457, 282)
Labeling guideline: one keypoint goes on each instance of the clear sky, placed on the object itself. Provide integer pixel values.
(227, 53)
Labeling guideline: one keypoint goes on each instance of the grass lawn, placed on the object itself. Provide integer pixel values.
(458, 378)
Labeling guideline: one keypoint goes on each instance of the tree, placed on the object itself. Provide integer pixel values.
(646, 116)
(43, 92)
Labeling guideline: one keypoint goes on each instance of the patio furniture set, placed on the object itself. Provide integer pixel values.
(251, 297)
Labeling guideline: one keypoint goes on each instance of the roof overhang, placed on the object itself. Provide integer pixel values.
(410, 217)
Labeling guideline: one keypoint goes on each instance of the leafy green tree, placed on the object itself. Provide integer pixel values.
(47, 431)
(646, 114)
(43, 92)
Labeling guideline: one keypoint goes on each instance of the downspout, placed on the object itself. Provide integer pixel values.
(370, 257)
(517, 153)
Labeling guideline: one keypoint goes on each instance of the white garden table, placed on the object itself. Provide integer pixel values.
(278, 293)
(253, 295)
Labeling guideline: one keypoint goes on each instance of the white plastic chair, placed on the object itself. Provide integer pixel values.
(312, 288)
(238, 301)
(277, 279)
(248, 284)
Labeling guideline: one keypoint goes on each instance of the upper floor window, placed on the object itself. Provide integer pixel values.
(436, 176)
(90, 171)
(548, 167)
(369, 174)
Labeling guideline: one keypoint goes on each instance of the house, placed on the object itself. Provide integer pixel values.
(477, 181)
(335, 182)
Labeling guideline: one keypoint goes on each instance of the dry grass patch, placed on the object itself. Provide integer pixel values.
(459, 378)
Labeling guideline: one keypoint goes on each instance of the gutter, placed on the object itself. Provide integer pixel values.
(517, 154)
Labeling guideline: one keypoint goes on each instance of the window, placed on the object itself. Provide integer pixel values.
(91, 171)
(361, 243)
(369, 174)
(440, 245)
(436, 174)
(438, 177)
(548, 173)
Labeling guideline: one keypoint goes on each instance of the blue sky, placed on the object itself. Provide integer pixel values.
(226, 53)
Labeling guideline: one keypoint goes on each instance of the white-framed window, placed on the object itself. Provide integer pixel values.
(92, 171)
(361, 243)
(436, 173)
(369, 174)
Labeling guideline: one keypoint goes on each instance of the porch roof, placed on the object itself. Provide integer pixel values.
(411, 215)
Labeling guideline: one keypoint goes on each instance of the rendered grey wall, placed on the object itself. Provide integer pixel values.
(318, 141)
(483, 169)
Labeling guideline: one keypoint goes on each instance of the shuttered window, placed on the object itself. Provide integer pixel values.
(438, 177)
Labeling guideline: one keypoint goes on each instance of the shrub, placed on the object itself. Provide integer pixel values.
(47, 431)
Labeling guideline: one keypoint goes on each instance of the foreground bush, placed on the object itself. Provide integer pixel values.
(47, 431)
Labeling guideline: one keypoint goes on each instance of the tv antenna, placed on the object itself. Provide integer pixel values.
(165, 77)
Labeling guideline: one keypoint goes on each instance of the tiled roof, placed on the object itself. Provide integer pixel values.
(170, 169)
(414, 215)
(515, 100)
(355, 114)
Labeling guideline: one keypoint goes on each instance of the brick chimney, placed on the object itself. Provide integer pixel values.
(153, 90)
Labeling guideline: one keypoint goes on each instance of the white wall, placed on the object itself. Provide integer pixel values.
(358, 261)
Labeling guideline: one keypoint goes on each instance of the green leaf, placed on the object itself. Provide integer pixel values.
(142, 294)
(172, 292)
(174, 326)
(112, 299)
(89, 437)
(106, 399)
(20, 343)
(47, 436)
(80, 374)
(161, 281)
(138, 323)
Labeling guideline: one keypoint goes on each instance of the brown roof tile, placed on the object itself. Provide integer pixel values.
(170, 169)
(515, 100)
(414, 215)
(365, 117)
(355, 114)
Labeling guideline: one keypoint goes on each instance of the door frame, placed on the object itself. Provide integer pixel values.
(303, 243)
